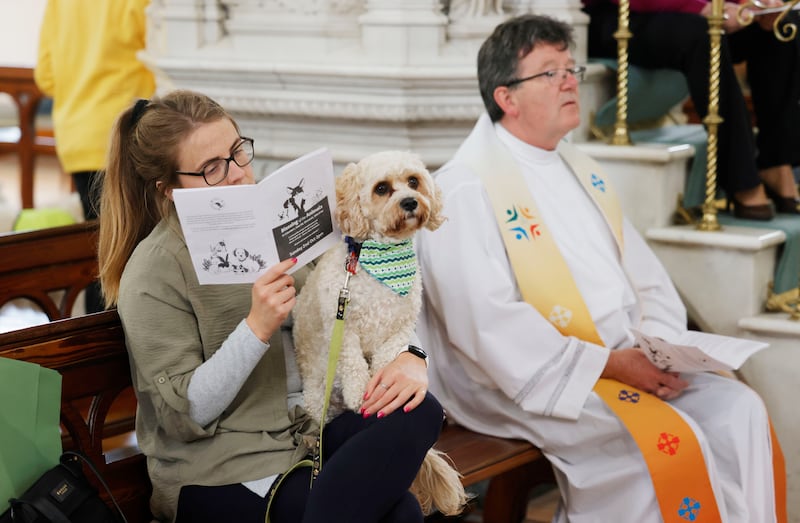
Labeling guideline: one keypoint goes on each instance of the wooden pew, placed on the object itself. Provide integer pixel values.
(37, 264)
(513, 467)
(90, 353)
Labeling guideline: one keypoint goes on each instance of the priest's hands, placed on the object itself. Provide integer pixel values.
(631, 366)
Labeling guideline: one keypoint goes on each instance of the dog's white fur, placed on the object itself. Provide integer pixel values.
(372, 202)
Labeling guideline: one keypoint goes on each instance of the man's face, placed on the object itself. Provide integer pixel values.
(543, 110)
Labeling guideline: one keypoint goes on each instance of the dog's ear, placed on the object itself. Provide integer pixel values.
(349, 214)
(437, 204)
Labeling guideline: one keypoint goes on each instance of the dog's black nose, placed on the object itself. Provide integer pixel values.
(408, 204)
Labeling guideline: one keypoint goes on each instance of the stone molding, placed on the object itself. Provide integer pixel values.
(357, 75)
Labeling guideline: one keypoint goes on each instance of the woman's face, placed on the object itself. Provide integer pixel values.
(211, 141)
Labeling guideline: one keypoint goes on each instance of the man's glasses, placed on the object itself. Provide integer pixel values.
(217, 170)
(553, 76)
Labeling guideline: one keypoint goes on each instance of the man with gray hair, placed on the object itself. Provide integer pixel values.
(533, 289)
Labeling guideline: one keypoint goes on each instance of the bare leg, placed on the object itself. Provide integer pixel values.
(781, 180)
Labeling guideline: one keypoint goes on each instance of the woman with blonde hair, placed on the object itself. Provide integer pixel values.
(219, 405)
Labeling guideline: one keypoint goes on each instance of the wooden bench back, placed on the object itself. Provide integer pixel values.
(36, 264)
(89, 352)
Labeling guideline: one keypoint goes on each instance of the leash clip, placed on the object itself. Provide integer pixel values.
(344, 298)
(350, 268)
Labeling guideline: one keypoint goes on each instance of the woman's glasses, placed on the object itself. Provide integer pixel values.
(217, 170)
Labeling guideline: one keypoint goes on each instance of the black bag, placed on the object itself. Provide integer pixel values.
(63, 495)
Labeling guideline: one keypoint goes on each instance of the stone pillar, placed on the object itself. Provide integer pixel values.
(181, 27)
(406, 32)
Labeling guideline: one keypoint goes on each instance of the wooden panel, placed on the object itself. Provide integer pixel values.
(513, 467)
(34, 264)
(479, 457)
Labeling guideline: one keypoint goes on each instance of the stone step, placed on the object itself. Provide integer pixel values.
(723, 275)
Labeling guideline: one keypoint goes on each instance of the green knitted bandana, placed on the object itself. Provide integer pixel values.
(393, 264)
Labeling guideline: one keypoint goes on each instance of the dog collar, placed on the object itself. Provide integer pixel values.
(393, 264)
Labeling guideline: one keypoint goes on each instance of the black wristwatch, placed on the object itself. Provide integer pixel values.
(419, 353)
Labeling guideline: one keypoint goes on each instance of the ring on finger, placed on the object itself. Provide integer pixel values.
(385, 386)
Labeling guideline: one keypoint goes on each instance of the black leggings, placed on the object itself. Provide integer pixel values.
(368, 466)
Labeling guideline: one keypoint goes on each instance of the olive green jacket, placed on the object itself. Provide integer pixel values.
(172, 325)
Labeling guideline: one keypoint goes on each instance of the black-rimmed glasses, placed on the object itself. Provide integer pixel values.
(217, 170)
(553, 76)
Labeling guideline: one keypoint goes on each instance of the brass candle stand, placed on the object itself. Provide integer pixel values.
(709, 221)
(622, 35)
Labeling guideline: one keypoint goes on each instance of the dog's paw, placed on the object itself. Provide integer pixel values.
(353, 393)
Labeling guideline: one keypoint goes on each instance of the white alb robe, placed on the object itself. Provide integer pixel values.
(501, 368)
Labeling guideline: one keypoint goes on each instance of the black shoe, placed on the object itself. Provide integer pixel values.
(783, 204)
(764, 212)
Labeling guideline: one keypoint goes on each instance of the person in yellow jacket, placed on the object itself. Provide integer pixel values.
(87, 63)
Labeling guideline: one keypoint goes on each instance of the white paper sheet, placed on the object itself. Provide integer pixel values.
(235, 232)
(696, 351)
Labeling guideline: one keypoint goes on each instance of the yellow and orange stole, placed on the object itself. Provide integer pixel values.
(667, 443)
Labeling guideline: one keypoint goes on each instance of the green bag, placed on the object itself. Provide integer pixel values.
(30, 439)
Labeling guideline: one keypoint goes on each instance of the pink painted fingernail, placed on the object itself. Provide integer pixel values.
(361, 411)
(294, 260)
(365, 414)
(381, 414)
(366, 396)
(406, 408)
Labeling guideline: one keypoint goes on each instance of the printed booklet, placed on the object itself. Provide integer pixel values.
(696, 351)
(235, 232)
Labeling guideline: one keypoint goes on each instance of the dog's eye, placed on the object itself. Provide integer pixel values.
(413, 182)
(381, 189)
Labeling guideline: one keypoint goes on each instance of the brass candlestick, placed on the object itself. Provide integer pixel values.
(712, 121)
(622, 35)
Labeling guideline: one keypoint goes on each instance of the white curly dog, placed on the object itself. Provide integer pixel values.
(382, 201)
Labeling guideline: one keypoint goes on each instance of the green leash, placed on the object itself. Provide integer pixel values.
(334, 349)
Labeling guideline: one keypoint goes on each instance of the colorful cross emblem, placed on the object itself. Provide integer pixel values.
(598, 183)
(689, 509)
(522, 225)
(626, 395)
(668, 443)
